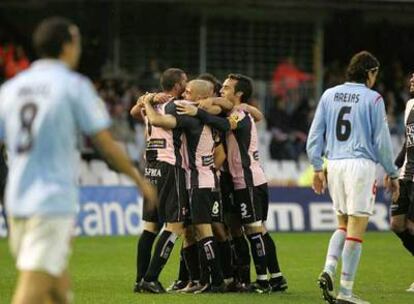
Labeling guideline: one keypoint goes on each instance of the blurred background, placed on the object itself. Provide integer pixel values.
(293, 49)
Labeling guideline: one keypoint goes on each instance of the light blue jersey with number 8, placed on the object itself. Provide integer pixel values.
(350, 122)
(42, 110)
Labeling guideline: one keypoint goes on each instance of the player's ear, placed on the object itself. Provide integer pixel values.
(177, 86)
(239, 94)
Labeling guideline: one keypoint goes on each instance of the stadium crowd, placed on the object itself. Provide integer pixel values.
(289, 107)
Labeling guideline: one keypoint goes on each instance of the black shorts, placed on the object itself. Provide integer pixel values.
(205, 206)
(227, 194)
(253, 203)
(172, 194)
(217, 208)
(405, 202)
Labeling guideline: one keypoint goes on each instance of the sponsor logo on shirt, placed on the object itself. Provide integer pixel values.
(256, 155)
(207, 160)
(152, 172)
(156, 143)
(409, 130)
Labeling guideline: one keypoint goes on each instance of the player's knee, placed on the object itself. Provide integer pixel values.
(152, 227)
(397, 225)
(236, 230)
(189, 236)
(255, 227)
(410, 227)
(220, 232)
(177, 228)
(203, 231)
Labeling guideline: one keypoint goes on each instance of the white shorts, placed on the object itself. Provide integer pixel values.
(352, 186)
(41, 243)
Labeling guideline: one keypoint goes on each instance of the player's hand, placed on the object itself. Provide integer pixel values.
(233, 122)
(161, 98)
(319, 182)
(186, 109)
(393, 186)
(140, 101)
(242, 107)
(147, 98)
(149, 192)
(205, 104)
(387, 181)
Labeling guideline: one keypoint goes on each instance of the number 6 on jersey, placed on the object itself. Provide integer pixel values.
(343, 126)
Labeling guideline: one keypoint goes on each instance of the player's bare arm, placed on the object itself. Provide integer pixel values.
(161, 98)
(136, 109)
(119, 161)
(219, 156)
(157, 98)
(155, 119)
(215, 105)
(222, 124)
(255, 112)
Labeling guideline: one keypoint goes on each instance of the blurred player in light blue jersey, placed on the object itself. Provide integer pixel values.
(41, 112)
(350, 128)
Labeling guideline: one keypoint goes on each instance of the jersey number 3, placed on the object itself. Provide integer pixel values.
(27, 116)
(343, 126)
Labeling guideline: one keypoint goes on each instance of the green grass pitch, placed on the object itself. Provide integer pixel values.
(103, 270)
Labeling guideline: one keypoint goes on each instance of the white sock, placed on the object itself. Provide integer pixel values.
(336, 245)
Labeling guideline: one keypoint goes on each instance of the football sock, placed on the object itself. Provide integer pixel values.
(192, 261)
(259, 255)
(350, 260)
(183, 274)
(407, 240)
(241, 248)
(209, 258)
(163, 248)
(271, 256)
(144, 248)
(336, 245)
(225, 254)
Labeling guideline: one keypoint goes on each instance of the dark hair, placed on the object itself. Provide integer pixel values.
(244, 84)
(210, 78)
(50, 36)
(170, 77)
(359, 66)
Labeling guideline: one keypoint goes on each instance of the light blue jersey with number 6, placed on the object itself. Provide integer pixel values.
(42, 110)
(350, 122)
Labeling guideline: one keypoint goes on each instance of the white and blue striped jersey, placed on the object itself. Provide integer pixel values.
(350, 122)
(42, 112)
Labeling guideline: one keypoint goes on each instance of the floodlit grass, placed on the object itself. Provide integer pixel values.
(103, 271)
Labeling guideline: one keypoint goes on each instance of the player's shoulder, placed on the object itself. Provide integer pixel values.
(410, 103)
(170, 106)
(238, 115)
(77, 79)
(373, 96)
(7, 84)
(182, 101)
(331, 91)
(16, 80)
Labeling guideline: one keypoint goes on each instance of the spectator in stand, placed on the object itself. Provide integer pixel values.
(288, 77)
(120, 128)
(149, 79)
(289, 129)
(16, 62)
